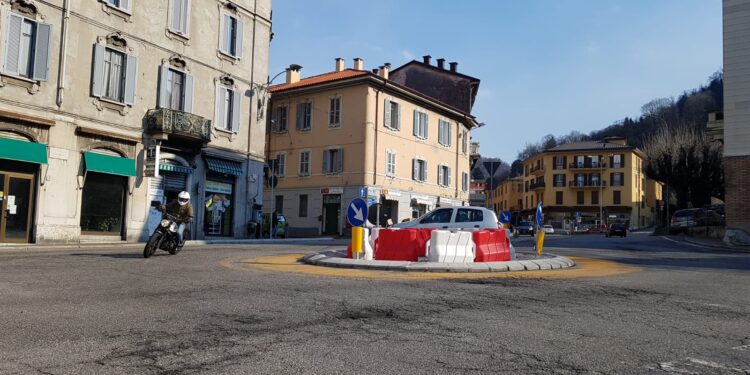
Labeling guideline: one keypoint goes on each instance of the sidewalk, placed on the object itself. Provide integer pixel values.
(709, 242)
(9, 248)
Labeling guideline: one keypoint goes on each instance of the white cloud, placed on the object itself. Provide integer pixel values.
(407, 55)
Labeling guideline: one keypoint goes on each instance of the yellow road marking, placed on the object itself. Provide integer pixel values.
(585, 267)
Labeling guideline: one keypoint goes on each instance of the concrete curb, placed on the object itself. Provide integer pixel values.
(92, 245)
(337, 258)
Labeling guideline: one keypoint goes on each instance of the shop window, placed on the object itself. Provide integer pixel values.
(303, 205)
(102, 204)
(219, 208)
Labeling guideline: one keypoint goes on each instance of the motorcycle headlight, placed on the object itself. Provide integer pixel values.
(165, 223)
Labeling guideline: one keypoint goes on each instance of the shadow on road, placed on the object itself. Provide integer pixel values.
(117, 256)
(721, 262)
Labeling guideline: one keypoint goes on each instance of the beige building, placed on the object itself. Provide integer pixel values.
(589, 180)
(351, 131)
(107, 106)
(509, 196)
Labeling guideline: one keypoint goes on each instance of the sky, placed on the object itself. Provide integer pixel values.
(546, 66)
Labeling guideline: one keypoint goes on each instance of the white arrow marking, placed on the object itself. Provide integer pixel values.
(357, 213)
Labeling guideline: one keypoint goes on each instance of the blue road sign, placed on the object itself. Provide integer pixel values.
(505, 217)
(363, 191)
(539, 215)
(356, 213)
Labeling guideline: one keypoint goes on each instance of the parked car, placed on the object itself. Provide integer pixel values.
(617, 229)
(282, 228)
(601, 228)
(525, 227)
(454, 218)
(548, 229)
(694, 217)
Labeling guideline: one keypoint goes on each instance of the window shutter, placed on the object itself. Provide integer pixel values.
(414, 169)
(225, 37)
(425, 169)
(426, 125)
(416, 123)
(236, 111)
(125, 4)
(326, 156)
(41, 51)
(397, 125)
(387, 113)
(449, 176)
(300, 115)
(97, 82)
(131, 79)
(188, 90)
(565, 162)
(611, 161)
(13, 44)
(448, 126)
(220, 98)
(163, 85)
(440, 175)
(340, 160)
(240, 33)
(622, 160)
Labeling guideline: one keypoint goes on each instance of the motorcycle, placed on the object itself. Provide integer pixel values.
(164, 237)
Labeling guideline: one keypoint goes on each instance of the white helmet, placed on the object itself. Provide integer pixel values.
(183, 198)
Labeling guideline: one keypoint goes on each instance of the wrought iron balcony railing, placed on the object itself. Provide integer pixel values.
(182, 124)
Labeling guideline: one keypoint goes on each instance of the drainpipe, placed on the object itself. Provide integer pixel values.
(249, 128)
(63, 55)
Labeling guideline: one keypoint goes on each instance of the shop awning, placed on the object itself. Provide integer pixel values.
(224, 166)
(109, 164)
(30, 152)
(175, 168)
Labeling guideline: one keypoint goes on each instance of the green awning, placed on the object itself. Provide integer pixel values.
(224, 166)
(175, 168)
(30, 152)
(109, 164)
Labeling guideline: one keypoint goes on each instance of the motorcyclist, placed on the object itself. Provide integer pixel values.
(182, 211)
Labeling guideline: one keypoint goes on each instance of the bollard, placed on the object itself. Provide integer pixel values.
(357, 241)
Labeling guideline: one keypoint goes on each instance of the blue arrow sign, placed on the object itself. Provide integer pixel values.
(539, 215)
(505, 217)
(356, 213)
(363, 191)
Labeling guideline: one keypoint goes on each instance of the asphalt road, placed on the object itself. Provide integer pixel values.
(108, 311)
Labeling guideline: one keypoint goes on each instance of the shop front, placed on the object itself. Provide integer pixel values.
(421, 204)
(331, 217)
(20, 161)
(219, 197)
(105, 191)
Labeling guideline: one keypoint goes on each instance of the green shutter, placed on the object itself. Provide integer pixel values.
(224, 166)
(30, 152)
(109, 164)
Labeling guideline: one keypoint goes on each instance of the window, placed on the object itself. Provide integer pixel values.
(559, 180)
(279, 207)
(334, 113)
(333, 161)
(304, 116)
(421, 122)
(442, 215)
(114, 76)
(280, 120)
(444, 175)
(392, 115)
(444, 133)
(227, 109)
(123, 5)
(281, 167)
(580, 179)
(595, 179)
(175, 90)
(465, 181)
(231, 36)
(579, 197)
(419, 172)
(594, 197)
(27, 47)
(595, 161)
(179, 16)
(304, 163)
(580, 161)
(558, 162)
(616, 197)
(558, 197)
(465, 142)
(618, 179)
(468, 215)
(617, 161)
(303, 205)
(390, 163)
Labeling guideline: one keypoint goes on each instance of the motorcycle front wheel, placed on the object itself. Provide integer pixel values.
(152, 245)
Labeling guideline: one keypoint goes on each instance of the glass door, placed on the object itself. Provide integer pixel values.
(16, 192)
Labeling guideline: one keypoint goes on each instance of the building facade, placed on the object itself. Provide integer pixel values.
(589, 183)
(736, 16)
(353, 132)
(509, 196)
(108, 106)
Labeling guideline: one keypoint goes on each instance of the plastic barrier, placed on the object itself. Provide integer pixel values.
(451, 247)
(401, 244)
(492, 245)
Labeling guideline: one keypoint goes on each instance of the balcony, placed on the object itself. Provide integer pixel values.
(169, 122)
(537, 170)
(587, 184)
(537, 186)
(585, 166)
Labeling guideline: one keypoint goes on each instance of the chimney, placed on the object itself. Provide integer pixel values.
(340, 66)
(375, 71)
(454, 67)
(441, 63)
(359, 64)
(426, 59)
(292, 73)
(384, 70)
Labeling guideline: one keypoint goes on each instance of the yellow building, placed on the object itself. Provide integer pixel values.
(354, 132)
(585, 181)
(509, 195)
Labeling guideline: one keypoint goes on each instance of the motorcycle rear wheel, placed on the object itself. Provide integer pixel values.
(152, 245)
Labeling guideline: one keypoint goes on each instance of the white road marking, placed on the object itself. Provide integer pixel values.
(742, 347)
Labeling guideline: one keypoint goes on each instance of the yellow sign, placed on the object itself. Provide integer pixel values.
(357, 239)
(539, 242)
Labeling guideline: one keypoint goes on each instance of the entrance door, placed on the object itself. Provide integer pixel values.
(331, 214)
(16, 192)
